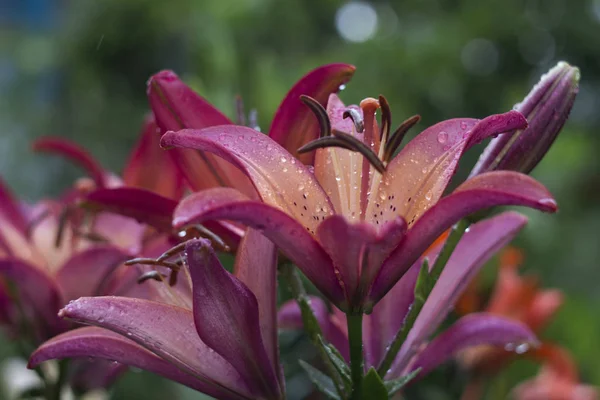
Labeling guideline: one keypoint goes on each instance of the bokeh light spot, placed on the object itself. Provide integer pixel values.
(356, 21)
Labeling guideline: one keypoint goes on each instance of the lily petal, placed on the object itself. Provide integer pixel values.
(84, 273)
(291, 237)
(144, 206)
(473, 330)
(475, 248)
(104, 344)
(280, 179)
(226, 318)
(482, 191)
(165, 330)
(256, 267)
(294, 124)
(388, 315)
(358, 250)
(150, 167)
(176, 106)
(10, 211)
(39, 293)
(417, 177)
(75, 153)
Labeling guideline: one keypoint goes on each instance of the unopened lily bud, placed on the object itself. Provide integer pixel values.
(546, 108)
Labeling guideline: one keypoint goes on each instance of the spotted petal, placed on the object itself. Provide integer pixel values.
(294, 125)
(280, 179)
(474, 330)
(104, 344)
(417, 177)
(483, 191)
(293, 239)
(165, 330)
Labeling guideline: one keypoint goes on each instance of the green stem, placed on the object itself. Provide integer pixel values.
(55, 389)
(356, 353)
(453, 238)
(311, 325)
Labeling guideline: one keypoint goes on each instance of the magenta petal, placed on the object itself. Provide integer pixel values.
(256, 267)
(227, 318)
(165, 330)
(358, 250)
(475, 248)
(483, 191)
(290, 317)
(10, 210)
(280, 179)
(85, 272)
(104, 344)
(38, 293)
(73, 152)
(294, 124)
(144, 206)
(150, 167)
(418, 176)
(297, 244)
(474, 330)
(176, 106)
(387, 317)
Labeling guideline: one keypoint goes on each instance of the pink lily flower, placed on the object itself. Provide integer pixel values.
(220, 338)
(50, 254)
(357, 220)
(476, 247)
(176, 106)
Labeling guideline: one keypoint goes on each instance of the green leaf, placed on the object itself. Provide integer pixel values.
(321, 381)
(424, 282)
(395, 385)
(337, 360)
(373, 387)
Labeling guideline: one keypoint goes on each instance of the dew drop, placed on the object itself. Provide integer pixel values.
(342, 87)
(269, 147)
(300, 187)
(442, 137)
(463, 125)
(337, 178)
(283, 159)
(285, 170)
(428, 196)
(522, 348)
(221, 137)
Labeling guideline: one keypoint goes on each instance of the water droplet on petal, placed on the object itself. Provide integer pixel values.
(463, 125)
(342, 87)
(283, 159)
(442, 137)
(428, 196)
(522, 348)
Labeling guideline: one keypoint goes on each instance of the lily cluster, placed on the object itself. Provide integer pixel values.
(327, 191)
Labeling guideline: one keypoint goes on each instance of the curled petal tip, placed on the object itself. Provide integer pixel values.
(549, 205)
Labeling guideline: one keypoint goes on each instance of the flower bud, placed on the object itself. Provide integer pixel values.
(546, 108)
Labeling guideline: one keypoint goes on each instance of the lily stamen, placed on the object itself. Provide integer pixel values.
(154, 275)
(356, 118)
(386, 119)
(396, 138)
(327, 141)
(319, 112)
(359, 147)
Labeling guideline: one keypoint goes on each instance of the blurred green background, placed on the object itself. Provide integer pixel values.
(78, 69)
